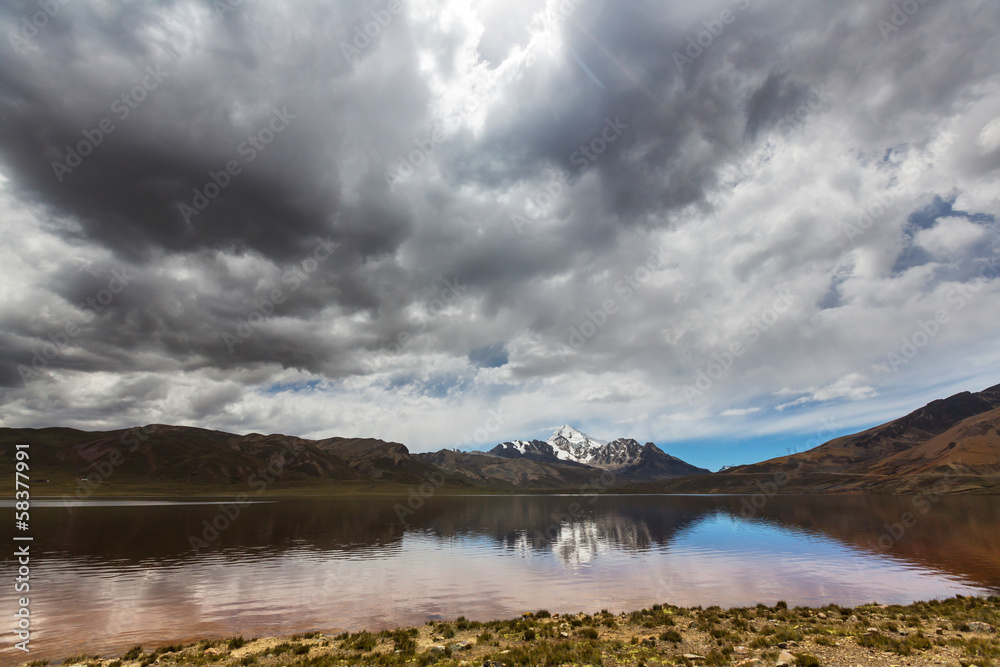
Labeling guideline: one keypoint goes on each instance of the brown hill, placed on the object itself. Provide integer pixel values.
(159, 454)
(953, 442)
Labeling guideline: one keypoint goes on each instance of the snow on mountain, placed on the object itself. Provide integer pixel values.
(617, 453)
(521, 445)
(532, 449)
(570, 444)
(625, 456)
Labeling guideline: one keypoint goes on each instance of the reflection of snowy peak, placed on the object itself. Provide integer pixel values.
(582, 540)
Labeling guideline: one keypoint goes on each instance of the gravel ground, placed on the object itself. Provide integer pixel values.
(957, 632)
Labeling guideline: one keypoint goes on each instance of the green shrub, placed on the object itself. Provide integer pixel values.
(360, 641)
(173, 648)
(550, 654)
(132, 653)
(671, 636)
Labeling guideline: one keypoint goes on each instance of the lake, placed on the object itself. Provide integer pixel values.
(108, 575)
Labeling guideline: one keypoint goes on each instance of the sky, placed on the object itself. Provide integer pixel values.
(735, 228)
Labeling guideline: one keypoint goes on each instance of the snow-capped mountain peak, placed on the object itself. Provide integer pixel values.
(625, 456)
(573, 445)
(573, 435)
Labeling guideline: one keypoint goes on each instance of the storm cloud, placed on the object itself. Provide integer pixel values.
(670, 221)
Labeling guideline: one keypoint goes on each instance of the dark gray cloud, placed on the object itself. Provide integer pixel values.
(546, 206)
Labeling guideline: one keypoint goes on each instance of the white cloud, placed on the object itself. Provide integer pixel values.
(740, 412)
(988, 140)
(949, 236)
(851, 387)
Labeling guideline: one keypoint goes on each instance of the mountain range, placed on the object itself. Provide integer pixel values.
(624, 456)
(950, 445)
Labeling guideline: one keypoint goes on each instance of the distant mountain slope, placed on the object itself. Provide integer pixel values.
(185, 455)
(862, 451)
(486, 469)
(953, 442)
(653, 463)
(376, 458)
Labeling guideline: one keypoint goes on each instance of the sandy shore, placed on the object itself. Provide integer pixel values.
(961, 632)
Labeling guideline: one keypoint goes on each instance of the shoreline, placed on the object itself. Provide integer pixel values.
(312, 493)
(960, 631)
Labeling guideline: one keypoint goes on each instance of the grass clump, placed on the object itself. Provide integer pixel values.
(551, 654)
(359, 641)
(173, 648)
(671, 635)
(132, 654)
(295, 648)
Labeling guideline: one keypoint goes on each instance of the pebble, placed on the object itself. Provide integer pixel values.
(786, 659)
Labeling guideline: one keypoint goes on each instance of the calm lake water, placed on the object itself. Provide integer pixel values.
(106, 576)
